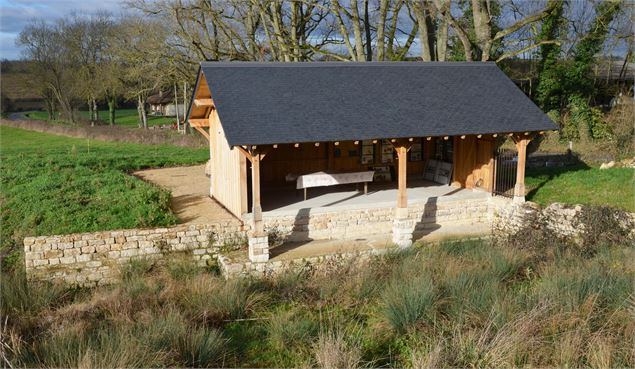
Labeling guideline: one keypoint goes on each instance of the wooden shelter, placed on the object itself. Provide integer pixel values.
(271, 124)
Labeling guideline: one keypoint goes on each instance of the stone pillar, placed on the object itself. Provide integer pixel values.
(258, 248)
(402, 227)
(258, 240)
(519, 188)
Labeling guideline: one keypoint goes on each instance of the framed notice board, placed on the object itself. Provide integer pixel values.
(416, 152)
(386, 152)
(368, 152)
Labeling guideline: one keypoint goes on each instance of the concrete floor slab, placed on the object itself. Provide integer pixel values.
(288, 201)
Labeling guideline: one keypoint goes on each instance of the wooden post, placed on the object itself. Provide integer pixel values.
(402, 197)
(521, 147)
(255, 192)
(402, 226)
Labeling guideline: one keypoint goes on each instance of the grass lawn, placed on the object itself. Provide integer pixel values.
(470, 304)
(582, 185)
(57, 185)
(123, 117)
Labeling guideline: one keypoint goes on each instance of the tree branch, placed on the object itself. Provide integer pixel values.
(527, 48)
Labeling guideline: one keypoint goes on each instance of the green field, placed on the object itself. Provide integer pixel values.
(582, 185)
(58, 185)
(123, 117)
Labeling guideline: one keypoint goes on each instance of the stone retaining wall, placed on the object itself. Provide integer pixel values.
(89, 259)
(360, 223)
(320, 263)
(563, 220)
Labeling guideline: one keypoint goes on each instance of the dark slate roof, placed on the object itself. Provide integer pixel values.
(267, 103)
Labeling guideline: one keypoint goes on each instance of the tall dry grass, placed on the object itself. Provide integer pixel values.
(455, 304)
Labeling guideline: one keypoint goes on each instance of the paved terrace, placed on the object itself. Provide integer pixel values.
(287, 201)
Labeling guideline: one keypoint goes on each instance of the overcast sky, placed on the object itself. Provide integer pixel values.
(14, 14)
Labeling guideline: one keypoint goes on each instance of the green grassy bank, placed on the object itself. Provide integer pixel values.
(582, 185)
(57, 185)
(123, 117)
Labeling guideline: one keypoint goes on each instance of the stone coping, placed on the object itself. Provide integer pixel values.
(475, 194)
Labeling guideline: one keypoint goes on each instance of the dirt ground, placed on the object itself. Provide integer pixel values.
(190, 193)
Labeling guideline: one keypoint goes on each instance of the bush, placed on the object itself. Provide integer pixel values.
(288, 329)
(334, 350)
(407, 301)
(214, 300)
(603, 225)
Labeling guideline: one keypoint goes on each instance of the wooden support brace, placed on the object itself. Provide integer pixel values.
(203, 102)
(202, 131)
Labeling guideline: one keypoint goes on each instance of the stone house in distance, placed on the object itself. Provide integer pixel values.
(339, 150)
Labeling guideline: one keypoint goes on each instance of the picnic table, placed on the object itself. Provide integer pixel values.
(319, 179)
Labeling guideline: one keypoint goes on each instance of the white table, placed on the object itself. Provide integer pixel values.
(320, 179)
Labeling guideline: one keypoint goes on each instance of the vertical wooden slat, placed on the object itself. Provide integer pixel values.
(402, 197)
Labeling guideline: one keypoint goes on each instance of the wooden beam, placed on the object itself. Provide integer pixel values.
(243, 151)
(203, 102)
(202, 131)
(202, 122)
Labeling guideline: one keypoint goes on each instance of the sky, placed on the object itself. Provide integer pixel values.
(15, 14)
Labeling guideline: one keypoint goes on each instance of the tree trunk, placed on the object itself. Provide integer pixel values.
(482, 27)
(112, 101)
(90, 112)
(442, 37)
(176, 105)
(144, 114)
(381, 29)
(139, 104)
(369, 46)
(359, 44)
(420, 14)
(95, 110)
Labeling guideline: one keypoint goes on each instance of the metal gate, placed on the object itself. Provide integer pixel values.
(505, 165)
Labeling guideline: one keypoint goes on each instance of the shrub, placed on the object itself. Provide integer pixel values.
(603, 225)
(407, 301)
(182, 268)
(201, 347)
(288, 329)
(212, 299)
(20, 298)
(471, 290)
(74, 347)
(334, 350)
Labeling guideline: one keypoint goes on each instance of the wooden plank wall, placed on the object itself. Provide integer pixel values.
(308, 158)
(473, 162)
(229, 177)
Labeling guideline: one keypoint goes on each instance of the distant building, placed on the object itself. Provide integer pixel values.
(163, 104)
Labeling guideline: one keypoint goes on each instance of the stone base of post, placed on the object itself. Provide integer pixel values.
(402, 228)
(258, 248)
(519, 193)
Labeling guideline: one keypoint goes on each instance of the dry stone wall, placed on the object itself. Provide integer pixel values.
(563, 220)
(307, 224)
(89, 259)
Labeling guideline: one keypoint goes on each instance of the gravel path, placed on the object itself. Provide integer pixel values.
(190, 193)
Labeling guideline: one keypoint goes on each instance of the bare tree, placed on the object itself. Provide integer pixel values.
(138, 47)
(44, 46)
